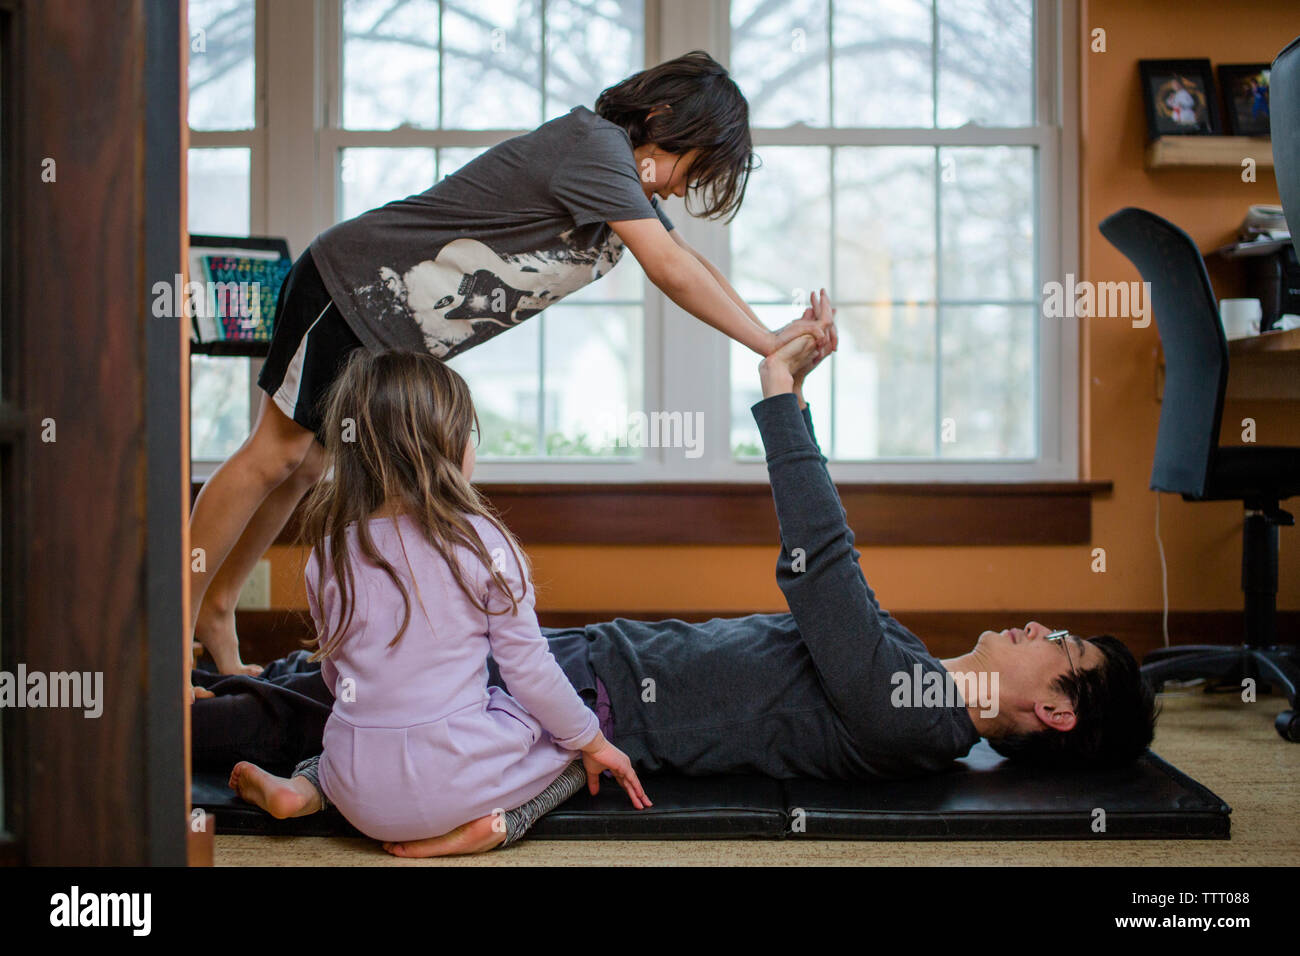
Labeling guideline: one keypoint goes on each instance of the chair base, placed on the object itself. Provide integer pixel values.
(1275, 664)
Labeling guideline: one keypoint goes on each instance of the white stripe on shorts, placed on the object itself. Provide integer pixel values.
(286, 396)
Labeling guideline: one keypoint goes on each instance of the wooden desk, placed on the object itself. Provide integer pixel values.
(1265, 366)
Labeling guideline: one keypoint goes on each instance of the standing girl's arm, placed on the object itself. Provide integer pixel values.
(720, 278)
(685, 279)
(592, 181)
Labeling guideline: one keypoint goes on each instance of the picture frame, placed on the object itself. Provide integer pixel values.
(1180, 98)
(241, 277)
(1245, 97)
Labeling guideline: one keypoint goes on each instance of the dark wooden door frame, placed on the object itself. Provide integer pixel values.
(12, 434)
(98, 90)
(167, 729)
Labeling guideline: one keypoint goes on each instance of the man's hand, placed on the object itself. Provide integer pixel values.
(785, 369)
(823, 317)
(775, 372)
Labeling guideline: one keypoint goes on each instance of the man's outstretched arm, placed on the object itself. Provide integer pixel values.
(884, 614)
(817, 570)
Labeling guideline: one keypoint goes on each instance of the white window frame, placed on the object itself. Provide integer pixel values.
(257, 141)
(686, 363)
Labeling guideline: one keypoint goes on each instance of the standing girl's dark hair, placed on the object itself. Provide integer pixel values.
(706, 111)
(396, 427)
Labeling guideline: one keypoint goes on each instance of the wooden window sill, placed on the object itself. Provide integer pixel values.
(880, 513)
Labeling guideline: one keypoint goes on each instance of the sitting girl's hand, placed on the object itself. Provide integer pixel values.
(605, 756)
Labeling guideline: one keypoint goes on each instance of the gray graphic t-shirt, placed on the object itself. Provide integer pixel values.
(511, 232)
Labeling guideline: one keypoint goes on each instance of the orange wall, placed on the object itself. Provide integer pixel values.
(1202, 541)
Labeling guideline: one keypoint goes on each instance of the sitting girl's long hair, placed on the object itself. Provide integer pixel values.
(396, 427)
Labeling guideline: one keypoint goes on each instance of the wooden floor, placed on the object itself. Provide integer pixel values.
(1229, 746)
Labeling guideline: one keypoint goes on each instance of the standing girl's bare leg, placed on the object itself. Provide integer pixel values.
(249, 497)
(216, 618)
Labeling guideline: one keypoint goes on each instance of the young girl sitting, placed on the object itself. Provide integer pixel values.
(418, 744)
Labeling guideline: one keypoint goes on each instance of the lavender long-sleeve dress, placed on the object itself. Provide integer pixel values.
(418, 743)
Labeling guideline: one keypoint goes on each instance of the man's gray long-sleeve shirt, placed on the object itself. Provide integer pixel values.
(806, 693)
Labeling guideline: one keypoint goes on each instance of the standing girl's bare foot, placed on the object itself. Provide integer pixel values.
(477, 836)
(216, 632)
(279, 796)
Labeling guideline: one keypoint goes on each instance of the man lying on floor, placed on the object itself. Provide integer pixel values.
(835, 689)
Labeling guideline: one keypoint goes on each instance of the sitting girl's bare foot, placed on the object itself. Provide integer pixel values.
(216, 632)
(279, 796)
(477, 836)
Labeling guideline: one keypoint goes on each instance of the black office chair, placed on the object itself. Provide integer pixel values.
(1188, 459)
(1284, 127)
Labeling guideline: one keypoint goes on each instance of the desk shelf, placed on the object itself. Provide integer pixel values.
(1208, 152)
(1265, 367)
(1286, 340)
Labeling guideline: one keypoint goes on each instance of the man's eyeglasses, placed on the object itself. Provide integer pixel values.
(1063, 638)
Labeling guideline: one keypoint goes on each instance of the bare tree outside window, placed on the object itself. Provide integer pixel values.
(545, 389)
(928, 250)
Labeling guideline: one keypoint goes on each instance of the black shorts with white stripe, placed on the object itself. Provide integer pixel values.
(310, 344)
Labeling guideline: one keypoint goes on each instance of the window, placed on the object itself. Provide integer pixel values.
(916, 160)
(223, 151)
(901, 171)
(423, 87)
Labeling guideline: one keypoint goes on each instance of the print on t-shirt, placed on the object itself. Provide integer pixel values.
(509, 233)
(494, 291)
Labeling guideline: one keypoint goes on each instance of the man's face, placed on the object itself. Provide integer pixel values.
(1027, 666)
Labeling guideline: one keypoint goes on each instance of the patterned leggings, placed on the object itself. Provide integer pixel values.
(518, 821)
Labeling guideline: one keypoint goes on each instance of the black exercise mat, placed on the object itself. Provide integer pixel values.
(234, 816)
(991, 798)
(983, 798)
(685, 808)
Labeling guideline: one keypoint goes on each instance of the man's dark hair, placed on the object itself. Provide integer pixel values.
(708, 112)
(1116, 716)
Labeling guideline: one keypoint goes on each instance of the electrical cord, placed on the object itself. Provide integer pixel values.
(1164, 577)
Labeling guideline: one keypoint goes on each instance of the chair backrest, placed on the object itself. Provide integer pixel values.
(1284, 125)
(1196, 350)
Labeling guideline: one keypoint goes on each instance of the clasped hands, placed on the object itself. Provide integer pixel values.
(799, 347)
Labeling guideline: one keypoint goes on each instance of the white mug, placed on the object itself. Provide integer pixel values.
(1240, 317)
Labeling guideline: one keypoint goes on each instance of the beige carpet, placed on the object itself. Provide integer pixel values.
(1229, 746)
